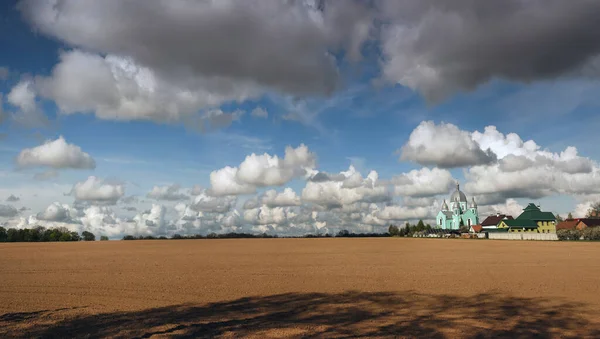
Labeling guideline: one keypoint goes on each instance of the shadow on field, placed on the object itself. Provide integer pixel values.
(323, 315)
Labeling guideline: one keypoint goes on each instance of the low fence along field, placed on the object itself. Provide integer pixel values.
(375, 287)
(523, 236)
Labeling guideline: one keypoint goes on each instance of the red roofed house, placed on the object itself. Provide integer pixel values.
(475, 229)
(568, 224)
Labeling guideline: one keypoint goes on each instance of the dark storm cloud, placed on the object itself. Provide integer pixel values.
(437, 47)
(277, 44)
(440, 47)
(8, 211)
(12, 198)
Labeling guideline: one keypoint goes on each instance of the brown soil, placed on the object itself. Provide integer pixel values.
(300, 287)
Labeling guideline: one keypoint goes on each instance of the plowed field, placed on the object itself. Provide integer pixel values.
(384, 287)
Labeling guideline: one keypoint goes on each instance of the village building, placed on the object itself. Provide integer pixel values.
(475, 229)
(568, 224)
(578, 223)
(518, 226)
(458, 213)
(493, 220)
(546, 221)
(584, 223)
(532, 220)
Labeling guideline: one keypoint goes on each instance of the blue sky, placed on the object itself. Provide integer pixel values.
(379, 100)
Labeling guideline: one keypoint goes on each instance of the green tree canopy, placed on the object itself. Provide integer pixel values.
(88, 236)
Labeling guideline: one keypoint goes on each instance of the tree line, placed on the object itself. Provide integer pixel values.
(42, 234)
(590, 234)
(406, 231)
(232, 235)
(409, 230)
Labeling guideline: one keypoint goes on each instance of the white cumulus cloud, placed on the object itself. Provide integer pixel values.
(98, 191)
(262, 171)
(354, 188)
(56, 154)
(288, 197)
(444, 146)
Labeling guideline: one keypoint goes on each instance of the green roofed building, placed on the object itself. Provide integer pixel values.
(531, 220)
(546, 221)
(519, 225)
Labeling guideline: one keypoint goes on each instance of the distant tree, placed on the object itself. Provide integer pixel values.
(12, 235)
(24, 235)
(559, 218)
(88, 236)
(594, 211)
(37, 233)
(75, 236)
(54, 235)
(65, 236)
(47, 235)
(129, 237)
(343, 233)
(568, 234)
(2, 234)
(176, 236)
(570, 216)
(420, 225)
(103, 238)
(393, 230)
(563, 234)
(591, 233)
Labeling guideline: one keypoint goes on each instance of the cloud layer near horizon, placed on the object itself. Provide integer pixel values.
(330, 201)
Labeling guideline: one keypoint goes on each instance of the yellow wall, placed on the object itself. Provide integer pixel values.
(521, 230)
(546, 226)
(543, 227)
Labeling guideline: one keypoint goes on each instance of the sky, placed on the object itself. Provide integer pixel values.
(290, 117)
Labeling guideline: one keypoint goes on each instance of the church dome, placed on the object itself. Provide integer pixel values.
(458, 195)
(444, 206)
(473, 204)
